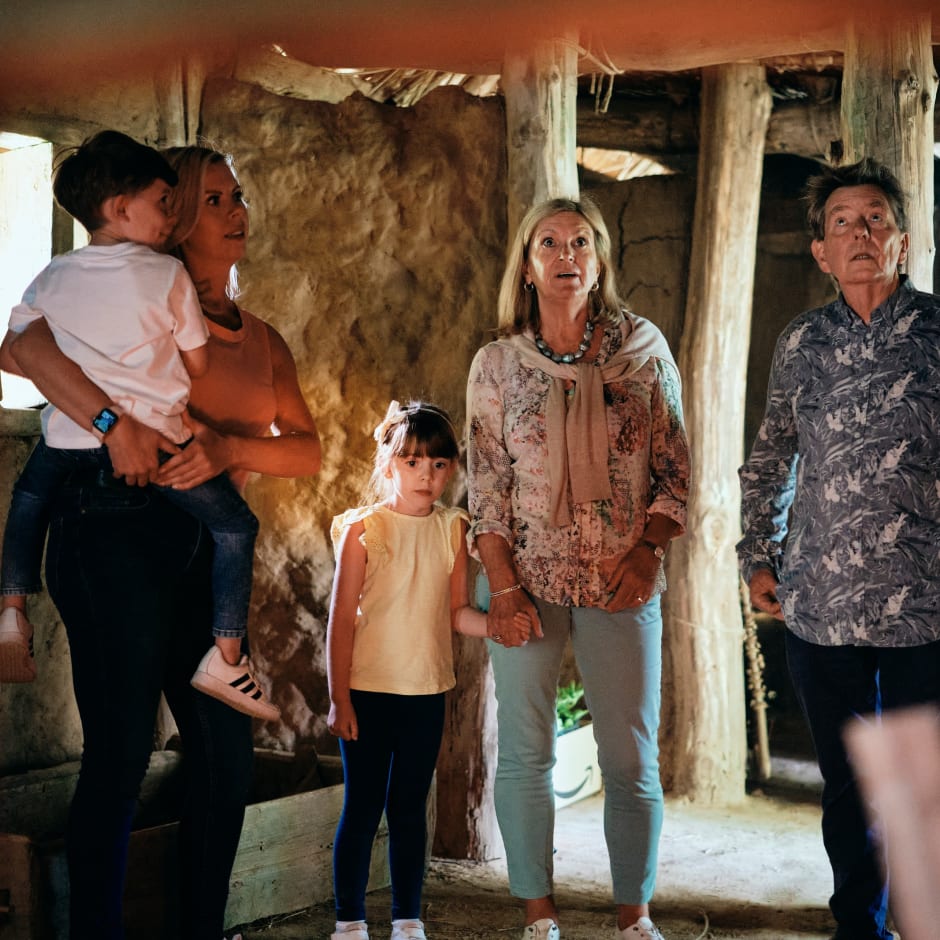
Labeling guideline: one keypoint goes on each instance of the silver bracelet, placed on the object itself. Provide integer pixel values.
(509, 590)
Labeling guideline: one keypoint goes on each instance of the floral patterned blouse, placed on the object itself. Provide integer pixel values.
(648, 462)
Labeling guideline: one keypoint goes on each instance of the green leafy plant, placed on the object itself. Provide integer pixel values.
(570, 710)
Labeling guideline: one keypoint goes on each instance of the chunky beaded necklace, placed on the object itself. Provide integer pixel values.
(550, 353)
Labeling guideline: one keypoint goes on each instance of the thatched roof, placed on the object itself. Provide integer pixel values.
(49, 42)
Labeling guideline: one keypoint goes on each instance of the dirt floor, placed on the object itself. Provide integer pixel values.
(753, 872)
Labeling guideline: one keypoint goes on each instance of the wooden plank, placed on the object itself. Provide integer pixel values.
(36, 803)
(663, 128)
(283, 862)
(21, 913)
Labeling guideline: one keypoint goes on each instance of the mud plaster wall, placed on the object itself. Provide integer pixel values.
(378, 237)
(377, 242)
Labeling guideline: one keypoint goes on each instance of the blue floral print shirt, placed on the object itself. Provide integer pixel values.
(841, 492)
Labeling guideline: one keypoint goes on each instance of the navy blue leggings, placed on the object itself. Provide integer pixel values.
(388, 768)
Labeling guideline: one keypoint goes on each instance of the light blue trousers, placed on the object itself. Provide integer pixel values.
(620, 660)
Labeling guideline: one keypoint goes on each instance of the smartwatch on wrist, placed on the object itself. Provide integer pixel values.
(104, 421)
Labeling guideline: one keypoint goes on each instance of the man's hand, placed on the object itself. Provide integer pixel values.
(763, 588)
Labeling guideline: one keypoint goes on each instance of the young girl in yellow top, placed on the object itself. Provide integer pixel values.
(400, 587)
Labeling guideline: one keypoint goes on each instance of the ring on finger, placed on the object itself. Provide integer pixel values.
(497, 637)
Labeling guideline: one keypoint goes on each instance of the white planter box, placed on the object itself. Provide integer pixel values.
(576, 773)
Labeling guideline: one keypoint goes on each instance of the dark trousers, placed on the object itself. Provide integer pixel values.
(390, 768)
(130, 575)
(835, 684)
(216, 503)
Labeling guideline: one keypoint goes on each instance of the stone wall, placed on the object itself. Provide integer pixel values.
(377, 243)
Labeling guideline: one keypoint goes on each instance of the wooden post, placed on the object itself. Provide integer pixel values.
(704, 738)
(889, 86)
(541, 93)
(466, 769)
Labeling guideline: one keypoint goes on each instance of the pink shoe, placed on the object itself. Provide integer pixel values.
(16, 647)
(234, 685)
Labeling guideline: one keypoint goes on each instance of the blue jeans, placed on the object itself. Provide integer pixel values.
(390, 768)
(835, 684)
(129, 574)
(215, 503)
(620, 660)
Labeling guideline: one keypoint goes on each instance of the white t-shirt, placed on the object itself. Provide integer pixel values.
(122, 312)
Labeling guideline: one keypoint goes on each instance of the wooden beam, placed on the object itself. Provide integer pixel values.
(662, 128)
(541, 92)
(283, 75)
(889, 87)
(48, 43)
(705, 751)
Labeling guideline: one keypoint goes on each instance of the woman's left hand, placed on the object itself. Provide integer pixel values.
(633, 579)
(205, 457)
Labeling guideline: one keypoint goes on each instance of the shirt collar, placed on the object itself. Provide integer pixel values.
(890, 309)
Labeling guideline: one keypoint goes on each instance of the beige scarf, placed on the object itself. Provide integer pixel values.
(577, 433)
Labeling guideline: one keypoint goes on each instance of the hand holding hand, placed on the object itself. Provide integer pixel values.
(513, 618)
(134, 449)
(205, 457)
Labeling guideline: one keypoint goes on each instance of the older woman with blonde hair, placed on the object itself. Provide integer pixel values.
(578, 475)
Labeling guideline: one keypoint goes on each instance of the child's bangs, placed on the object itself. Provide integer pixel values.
(424, 434)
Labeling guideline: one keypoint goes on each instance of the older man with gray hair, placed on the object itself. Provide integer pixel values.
(841, 505)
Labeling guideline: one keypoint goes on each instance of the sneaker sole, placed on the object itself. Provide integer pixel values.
(217, 689)
(16, 665)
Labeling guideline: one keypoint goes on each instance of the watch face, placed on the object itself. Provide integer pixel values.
(104, 420)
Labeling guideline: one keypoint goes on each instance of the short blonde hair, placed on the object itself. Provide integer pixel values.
(518, 307)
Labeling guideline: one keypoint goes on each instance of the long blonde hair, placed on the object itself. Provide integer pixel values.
(186, 198)
(518, 307)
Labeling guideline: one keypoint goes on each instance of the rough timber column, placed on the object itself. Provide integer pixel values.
(541, 93)
(540, 90)
(888, 91)
(704, 740)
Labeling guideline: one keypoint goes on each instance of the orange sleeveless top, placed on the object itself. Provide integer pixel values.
(237, 394)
